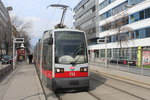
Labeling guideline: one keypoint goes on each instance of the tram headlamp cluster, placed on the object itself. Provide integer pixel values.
(84, 69)
(59, 70)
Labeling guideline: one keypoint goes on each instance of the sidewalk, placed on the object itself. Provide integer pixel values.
(130, 77)
(24, 85)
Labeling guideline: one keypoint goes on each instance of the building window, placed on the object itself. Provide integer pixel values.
(114, 38)
(132, 2)
(134, 54)
(132, 35)
(109, 53)
(96, 53)
(147, 13)
(102, 53)
(137, 34)
(147, 30)
(119, 8)
(105, 3)
(114, 24)
(141, 15)
(142, 33)
(93, 9)
(103, 16)
(135, 17)
(109, 39)
(114, 11)
(116, 53)
(108, 14)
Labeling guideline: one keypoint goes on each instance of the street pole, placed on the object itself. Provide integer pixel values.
(106, 63)
(41, 58)
(141, 63)
(13, 53)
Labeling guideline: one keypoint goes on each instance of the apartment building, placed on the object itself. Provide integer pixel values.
(135, 18)
(5, 27)
(4, 15)
(85, 18)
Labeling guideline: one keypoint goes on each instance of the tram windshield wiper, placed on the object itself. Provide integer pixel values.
(73, 63)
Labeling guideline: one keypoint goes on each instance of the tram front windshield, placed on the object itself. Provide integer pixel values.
(70, 47)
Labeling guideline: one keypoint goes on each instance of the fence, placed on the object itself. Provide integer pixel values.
(134, 61)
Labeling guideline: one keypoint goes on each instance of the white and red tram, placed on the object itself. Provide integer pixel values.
(61, 57)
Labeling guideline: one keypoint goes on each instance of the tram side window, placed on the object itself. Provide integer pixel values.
(48, 55)
(44, 53)
(39, 52)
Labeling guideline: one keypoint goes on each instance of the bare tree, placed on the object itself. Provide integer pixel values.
(23, 28)
(123, 32)
(6, 32)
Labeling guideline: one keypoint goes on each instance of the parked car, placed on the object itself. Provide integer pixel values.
(113, 60)
(1, 56)
(119, 60)
(122, 60)
(6, 59)
(132, 62)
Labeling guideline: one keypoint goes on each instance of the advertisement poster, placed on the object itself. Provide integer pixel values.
(146, 57)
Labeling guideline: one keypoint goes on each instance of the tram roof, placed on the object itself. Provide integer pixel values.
(48, 32)
(63, 29)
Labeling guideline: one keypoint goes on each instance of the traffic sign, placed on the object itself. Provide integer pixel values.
(19, 40)
(100, 40)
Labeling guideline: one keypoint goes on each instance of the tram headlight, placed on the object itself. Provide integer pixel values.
(84, 69)
(59, 70)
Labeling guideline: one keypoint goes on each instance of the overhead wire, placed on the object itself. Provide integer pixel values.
(53, 13)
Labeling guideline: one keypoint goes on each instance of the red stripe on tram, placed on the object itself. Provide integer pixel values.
(47, 73)
(71, 74)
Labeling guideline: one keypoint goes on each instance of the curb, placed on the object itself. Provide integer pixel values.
(5, 71)
(123, 77)
(41, 91)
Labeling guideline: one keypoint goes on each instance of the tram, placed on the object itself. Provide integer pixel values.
(61, 58)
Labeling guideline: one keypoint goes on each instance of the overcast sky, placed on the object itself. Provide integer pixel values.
(41, 18)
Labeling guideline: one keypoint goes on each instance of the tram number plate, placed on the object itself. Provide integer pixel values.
(74, 82)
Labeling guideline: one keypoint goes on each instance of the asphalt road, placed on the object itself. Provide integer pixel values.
(104, 88)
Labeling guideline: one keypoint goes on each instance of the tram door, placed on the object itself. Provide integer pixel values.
(47, 62)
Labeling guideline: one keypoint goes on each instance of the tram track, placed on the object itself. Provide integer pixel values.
(118, 89)
(58, 96)
(94, 96)
(89, 93)
(107, 82)
(65, 96)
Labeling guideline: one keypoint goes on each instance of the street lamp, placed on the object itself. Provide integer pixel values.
(16, 40)
(104, 41)
(22, 46)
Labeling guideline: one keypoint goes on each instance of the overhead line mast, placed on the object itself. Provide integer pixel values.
(64, 8)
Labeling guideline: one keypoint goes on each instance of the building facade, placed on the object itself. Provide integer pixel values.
(85, 18)
(126, 26)
(5, 28)
(4, 15)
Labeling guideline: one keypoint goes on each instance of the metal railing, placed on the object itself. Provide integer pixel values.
(139, 66)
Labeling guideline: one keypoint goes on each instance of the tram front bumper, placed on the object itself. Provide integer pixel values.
(78, 83)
